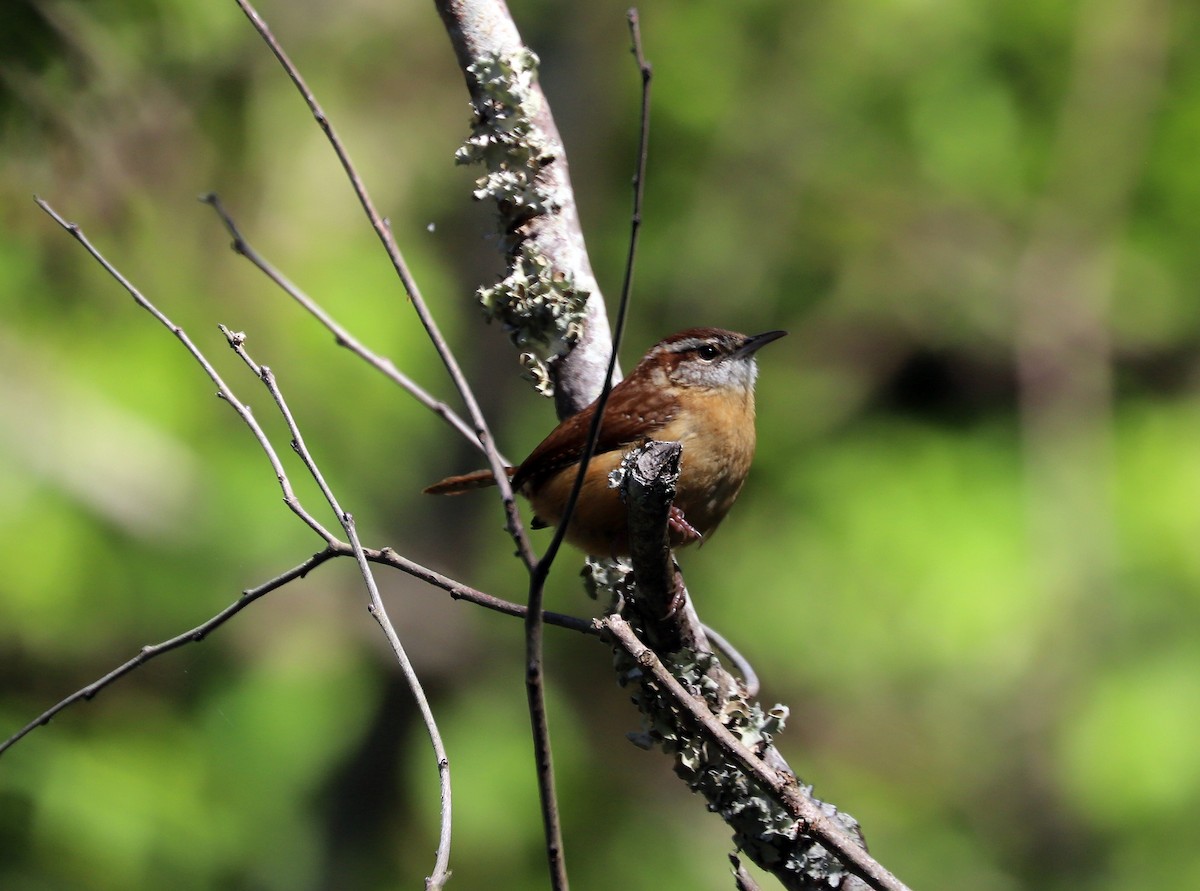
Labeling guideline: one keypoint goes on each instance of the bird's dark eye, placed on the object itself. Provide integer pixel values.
(708, 352)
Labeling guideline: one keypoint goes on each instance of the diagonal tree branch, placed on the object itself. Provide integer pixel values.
(812, 820)
(223, 391)
(689, 700)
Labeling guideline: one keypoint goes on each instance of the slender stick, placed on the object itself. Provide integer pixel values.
(739, 662)
(543, 567)
(745, 881)
(458, 591)
(195, 635)
(341, 335)
(384, 232)
(534, 667)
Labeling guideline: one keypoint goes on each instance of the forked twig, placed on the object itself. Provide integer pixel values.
(223, 391)
(384, 557)
(441, 871)
(341, 335)
(441, 868)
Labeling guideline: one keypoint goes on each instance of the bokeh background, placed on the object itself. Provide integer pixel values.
(966, 558)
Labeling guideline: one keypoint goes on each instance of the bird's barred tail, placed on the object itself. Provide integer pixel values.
(457, 485)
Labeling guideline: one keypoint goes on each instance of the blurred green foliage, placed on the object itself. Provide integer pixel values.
(967, 556)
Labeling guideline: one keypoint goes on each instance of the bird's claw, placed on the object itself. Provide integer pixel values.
(681, 529)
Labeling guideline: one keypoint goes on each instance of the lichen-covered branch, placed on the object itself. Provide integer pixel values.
(548, 299)
(720, 739)
(725, 753)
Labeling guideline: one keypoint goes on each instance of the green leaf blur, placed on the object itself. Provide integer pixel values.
(966, 557)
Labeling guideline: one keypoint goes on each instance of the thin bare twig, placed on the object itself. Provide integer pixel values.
(783, 788)
(543, 567)
(195, 635)
(223, 391)
(458, 591)
(745, 881)
(341, 335)
(534, 666)
(384, 233)
(739, 662)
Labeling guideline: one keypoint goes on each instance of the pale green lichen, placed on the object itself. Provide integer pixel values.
(608, 581)
(539, 306)
(504, 137)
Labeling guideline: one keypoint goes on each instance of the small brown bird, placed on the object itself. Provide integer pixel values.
(696, 388)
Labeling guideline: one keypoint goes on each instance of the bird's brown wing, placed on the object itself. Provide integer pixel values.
(631, 415)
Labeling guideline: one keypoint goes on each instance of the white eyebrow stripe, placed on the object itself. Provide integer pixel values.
(692, 343)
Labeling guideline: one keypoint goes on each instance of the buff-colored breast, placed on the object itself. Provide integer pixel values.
(717, 434)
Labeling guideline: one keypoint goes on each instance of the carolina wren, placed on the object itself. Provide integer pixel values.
(695, 387)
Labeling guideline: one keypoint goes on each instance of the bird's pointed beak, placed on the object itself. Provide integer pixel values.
(757, 341)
